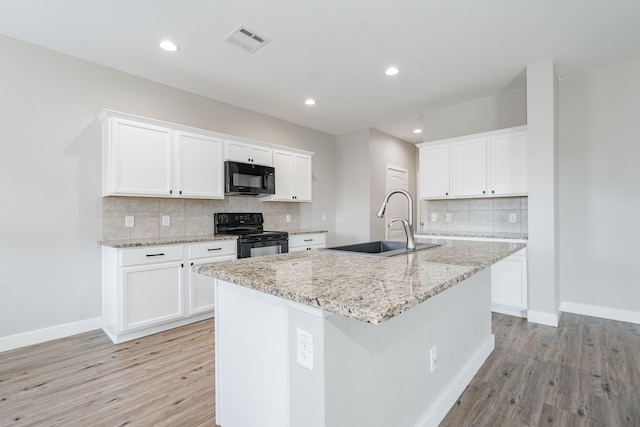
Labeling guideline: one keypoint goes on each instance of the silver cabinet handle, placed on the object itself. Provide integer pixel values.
(214, 249)
(155, 254)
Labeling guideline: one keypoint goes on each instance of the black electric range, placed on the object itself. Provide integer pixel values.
(252, 239)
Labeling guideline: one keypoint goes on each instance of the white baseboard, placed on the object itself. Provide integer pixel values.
(47, 334)
(602, 312)
(448, 398)
(543, 318)
(510, 311)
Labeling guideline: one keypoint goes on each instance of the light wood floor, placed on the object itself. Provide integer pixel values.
(584, 373)
(162, 380)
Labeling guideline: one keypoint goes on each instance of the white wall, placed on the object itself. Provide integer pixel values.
(542, 168)
(50, 174)
(599, 193)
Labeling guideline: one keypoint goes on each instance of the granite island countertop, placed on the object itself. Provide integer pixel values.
(366, 288)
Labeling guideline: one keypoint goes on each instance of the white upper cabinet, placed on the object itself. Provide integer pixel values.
(198, 162)
(483, 165)
(293, 177)
(301, 177)
(508, 160)
(435, 171)
(248, 153)
(137, 159)
(142, 158)
(469, 168)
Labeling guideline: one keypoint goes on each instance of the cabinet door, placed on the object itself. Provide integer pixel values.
(247, 153)
(508, 164)
(140, 159)
(469, 168)
(237, 151)
(283, 164)
(301, 177)
(198, 166)
(202, 288)
(150, 295)
(261, 155)
(509, 283)
(434, 172)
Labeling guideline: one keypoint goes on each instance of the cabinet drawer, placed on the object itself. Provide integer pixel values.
(212, 249)
(150, 255)
(307, 240)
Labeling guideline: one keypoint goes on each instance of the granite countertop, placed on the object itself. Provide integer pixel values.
(168, 240)
(476, 234)
(306, 231)
(176, 240)
(366, 288)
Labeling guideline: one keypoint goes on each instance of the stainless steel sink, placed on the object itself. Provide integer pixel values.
(380, 248)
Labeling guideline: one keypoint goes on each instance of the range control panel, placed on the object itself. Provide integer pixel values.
(238, 218)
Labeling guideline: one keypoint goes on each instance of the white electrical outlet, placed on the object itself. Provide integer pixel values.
(287, 218)
(324, 217)
(434, 358)
(447, 217)
(434, 217)
(166, 220)
(513, 218)
(128, 221)
(304, 349)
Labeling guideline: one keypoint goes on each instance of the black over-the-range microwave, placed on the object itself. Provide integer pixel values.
(248, 179)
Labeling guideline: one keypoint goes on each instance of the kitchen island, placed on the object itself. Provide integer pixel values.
(334, 339)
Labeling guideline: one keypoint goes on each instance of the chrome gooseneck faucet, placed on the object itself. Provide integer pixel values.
(407, 223)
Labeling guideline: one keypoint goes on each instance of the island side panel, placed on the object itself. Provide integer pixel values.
(252, 361)
(379, 375)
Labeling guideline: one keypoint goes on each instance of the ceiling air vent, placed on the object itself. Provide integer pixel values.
(246, 39)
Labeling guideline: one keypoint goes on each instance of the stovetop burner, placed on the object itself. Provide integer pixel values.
(246, 225)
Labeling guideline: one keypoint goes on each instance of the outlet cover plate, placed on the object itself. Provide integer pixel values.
(304, 349)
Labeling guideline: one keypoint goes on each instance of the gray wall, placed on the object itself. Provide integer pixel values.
(361, 160)
(387, 150)
(599, 193)
(50, 174)
(352, 189)
(504, 110)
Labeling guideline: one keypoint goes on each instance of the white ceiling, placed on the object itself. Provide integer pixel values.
(336, 51)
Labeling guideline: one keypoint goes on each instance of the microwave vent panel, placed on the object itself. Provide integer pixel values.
(246, 39)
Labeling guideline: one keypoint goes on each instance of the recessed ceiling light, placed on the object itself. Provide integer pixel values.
(168, 45)
(417, 131)
(310, 101)
(392, 71)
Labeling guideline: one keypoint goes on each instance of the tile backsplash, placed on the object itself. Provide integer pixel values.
(188, 217)
(483, 215)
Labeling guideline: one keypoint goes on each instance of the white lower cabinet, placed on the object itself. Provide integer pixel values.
(509, 285)
(201, 289)
(151, 289)
(307, 242)
(161, 281)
